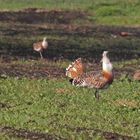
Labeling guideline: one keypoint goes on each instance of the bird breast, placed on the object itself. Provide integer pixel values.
(91, 80)
(44, 44)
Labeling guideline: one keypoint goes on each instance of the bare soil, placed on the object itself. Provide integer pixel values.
(36, 135)
(30, 71)
(34, 15)
(105, 134)
(30, 135)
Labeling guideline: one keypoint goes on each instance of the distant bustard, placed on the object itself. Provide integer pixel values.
(136, 75)
(39, 46)
(97, 80)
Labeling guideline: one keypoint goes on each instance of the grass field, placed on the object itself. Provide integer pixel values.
(37, 100)
(55, 107)
(117, 12)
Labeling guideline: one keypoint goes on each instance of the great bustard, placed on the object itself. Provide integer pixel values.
(92, 79)
(136, 75)
(39, 46)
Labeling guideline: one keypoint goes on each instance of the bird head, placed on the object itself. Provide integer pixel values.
(45, 38)
(104, 53)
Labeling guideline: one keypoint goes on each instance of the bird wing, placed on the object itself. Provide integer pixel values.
(91, 79)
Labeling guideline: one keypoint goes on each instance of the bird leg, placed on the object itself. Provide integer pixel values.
(97, 94)
(41, 55)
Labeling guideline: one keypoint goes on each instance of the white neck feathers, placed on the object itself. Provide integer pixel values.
(44, 43)
(106, 64)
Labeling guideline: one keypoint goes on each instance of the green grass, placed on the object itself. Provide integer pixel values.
(51, 105)
(54, 106)
(115, 12)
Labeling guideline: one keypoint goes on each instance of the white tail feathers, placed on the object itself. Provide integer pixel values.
(75, 69)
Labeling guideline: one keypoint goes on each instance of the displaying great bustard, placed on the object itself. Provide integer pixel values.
(92, 79)
(39, 46)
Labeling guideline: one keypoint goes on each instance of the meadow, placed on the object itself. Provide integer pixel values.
(37, 100)
(113, 12)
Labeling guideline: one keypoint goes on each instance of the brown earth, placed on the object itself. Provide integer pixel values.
(30, 135)
(36, 135)
(30, 70)
(34, 15)
(104, 134)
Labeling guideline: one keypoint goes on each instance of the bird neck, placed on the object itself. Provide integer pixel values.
(44, 43)
(107, 68)
(108, 75)
(44, 40)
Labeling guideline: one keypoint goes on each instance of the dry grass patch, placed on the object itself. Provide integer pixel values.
(126, 103)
